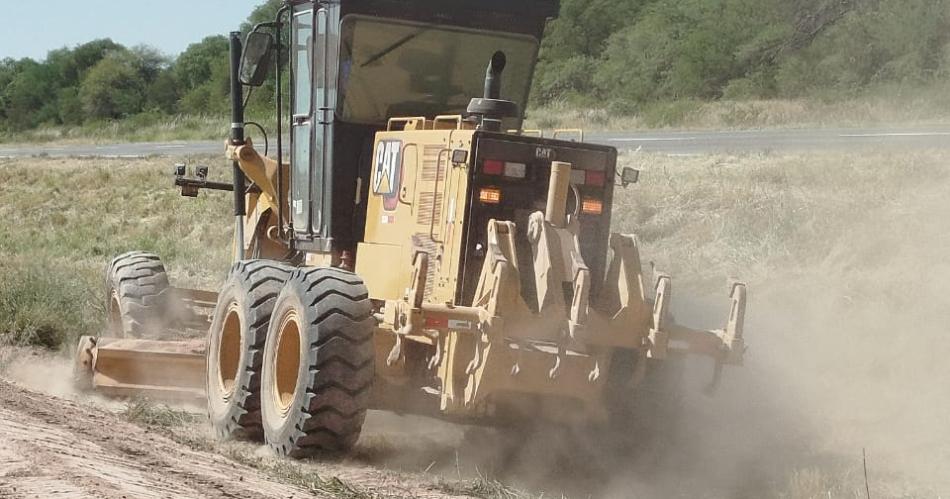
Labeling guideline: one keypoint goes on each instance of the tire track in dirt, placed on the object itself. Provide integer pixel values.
(57, 448)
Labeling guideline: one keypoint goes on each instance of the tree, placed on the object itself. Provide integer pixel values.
(72, 64)
(263, 13)
(211, 97)
(149, 61)
(113, 88)
(194, 66)
(163, 93)
(30, 96)
(70, 106)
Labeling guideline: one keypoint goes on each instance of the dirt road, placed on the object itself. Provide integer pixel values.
(51, 447)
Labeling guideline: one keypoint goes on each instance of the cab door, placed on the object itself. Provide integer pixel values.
(301, 128)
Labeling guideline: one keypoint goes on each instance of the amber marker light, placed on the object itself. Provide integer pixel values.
(489, 195)
(592, 206)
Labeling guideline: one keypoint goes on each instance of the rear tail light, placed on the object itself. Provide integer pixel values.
(597, 179)
(591, 178)
(493, 167)
(489, 195)
(592, 206)
(506, 168)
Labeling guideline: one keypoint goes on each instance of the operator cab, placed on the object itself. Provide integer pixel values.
(355, 64)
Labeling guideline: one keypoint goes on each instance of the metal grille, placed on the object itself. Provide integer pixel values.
(424, 243)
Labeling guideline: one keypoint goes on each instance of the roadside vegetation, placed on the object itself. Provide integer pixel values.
(604, 64)
(65, 220)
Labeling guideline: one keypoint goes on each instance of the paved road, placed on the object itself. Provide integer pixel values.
(673, 143)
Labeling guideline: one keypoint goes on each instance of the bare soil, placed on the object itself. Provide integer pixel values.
(55, 447)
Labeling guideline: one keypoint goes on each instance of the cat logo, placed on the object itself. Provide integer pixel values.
(546, 153)
(387, 172)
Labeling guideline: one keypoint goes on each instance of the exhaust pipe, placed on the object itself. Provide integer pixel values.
(493, 89)
(493, 75)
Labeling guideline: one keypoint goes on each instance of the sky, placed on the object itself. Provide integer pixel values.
(33, 29)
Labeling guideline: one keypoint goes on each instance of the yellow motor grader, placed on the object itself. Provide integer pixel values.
(418, 251)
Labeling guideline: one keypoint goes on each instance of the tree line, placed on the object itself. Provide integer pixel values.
(622, 52)
(637, 51)
(102, 80)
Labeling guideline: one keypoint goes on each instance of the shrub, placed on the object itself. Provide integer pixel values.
(45, 305)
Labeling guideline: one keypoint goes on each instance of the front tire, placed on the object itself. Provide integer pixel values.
(236, 344)
(138, 296)
(318, 364)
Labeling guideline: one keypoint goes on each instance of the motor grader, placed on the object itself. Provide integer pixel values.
(411, 249)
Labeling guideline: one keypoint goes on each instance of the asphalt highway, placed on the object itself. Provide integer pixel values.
(666, 142)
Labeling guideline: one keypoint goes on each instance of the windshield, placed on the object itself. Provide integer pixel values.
(391, 68)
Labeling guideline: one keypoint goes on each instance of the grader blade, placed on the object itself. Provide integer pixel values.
(167, 370)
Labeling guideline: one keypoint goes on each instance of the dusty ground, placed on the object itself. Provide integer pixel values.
(59, 442)
(53, 447)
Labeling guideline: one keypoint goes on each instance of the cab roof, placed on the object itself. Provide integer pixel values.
(516, 16)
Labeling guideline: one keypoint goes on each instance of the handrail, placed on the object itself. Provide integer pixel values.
(407, 120)
(539, 133)
(456, 118)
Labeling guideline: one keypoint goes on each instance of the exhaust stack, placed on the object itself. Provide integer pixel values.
(493, 75)
(490, 109)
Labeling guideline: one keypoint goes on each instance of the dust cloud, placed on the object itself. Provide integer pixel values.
(848, 352)
(41, 371)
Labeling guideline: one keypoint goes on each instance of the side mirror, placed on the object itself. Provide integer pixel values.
(256, 59)
(629, 176)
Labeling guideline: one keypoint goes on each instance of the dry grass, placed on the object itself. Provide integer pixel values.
(143, 128)
(749, 114)
(846, 259)
(711, 217)
(907, 107)
(66, 218)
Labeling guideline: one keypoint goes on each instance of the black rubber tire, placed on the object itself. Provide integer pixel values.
(138, 296)
(247, 297)
(322, 410)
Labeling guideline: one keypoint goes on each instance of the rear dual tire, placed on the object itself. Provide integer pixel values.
(318, 364)
(235, 347)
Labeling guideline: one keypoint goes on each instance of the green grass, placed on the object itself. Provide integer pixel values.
(43, 306)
